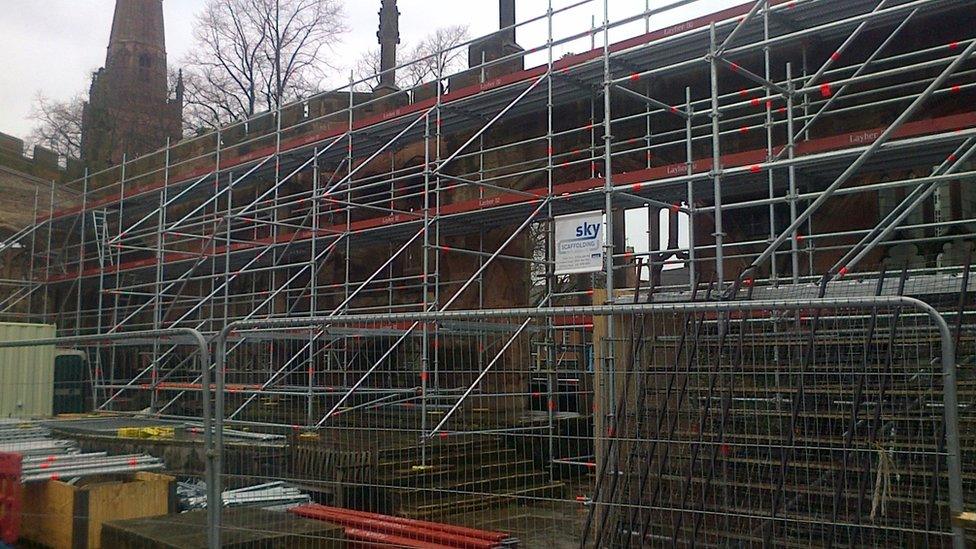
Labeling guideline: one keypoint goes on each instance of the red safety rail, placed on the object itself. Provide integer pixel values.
(376, 530)
(10, 497)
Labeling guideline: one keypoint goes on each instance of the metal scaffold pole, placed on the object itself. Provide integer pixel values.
(353, 261)
(716, 172)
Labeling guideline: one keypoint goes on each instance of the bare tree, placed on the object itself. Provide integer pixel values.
(253, 55)
(421, 61)
(58, 124)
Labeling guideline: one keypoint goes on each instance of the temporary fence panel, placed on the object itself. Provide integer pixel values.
(431, 426)
(784, 424)
(775, 428)
(76, 473)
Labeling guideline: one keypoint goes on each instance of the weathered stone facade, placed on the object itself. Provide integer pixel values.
(26, 185)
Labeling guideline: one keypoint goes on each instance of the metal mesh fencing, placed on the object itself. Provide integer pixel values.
(778, 428)
(107, 455)
(753, 423)
(804, 423)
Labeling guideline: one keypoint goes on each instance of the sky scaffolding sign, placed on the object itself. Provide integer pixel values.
(579, 243)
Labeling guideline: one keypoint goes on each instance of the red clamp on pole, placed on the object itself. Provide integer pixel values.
(825, 90)
(956, 89)
(634, 77)
(734, 66)
(835, 56)
(743, 93)
(636, 187)
(755, 102)
(675, 208)
(842, 272)
(755, 168)
(744, 130)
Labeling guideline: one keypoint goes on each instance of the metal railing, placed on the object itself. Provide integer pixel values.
(173, 337)
(712, 338)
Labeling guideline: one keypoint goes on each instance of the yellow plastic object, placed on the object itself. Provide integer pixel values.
(147, 432)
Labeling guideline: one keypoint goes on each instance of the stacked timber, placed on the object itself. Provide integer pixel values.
(395, 474)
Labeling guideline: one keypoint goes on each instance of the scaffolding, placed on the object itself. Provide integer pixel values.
(793, 144)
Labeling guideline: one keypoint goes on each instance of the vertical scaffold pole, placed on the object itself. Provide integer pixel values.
(33, 254)
(690, 169)
(47, 257)
(216, 504)
(716, 162)
(275, 214)
(768, 123)
(791, 152)
(609, 358)
(425, 333)
(116, 296)
(158, 279)
(552, 377)
(348, 229)
(437, 217)
(81, 256)
(313, 285)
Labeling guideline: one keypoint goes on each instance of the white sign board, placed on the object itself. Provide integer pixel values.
(579, 243)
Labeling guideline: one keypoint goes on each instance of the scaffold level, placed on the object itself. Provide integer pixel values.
(777, 152)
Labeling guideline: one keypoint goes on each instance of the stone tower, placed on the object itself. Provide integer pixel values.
(129, 110)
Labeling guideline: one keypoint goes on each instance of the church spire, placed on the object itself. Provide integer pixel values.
(140, 22)
(129, 111)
